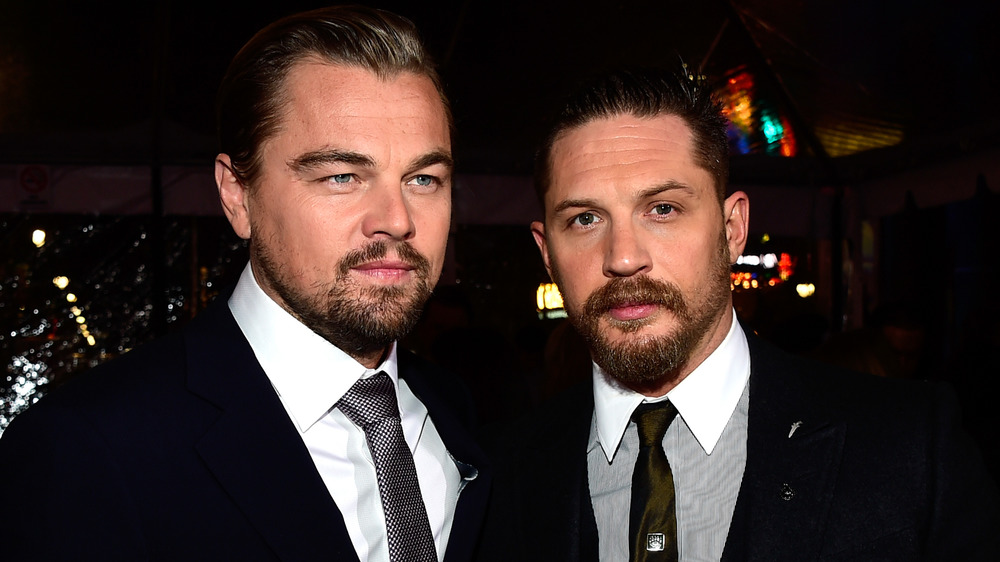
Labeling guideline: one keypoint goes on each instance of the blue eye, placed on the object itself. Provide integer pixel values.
(585, 219)
(341, 178)
(423, 180)
(663, 209)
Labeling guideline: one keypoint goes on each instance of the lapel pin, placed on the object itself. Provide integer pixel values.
(787, 493)
(795, 426)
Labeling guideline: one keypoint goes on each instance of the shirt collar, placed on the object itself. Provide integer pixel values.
(289, 352)
(705, 399)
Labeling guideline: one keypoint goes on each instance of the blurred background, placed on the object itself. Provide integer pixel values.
(865, 133)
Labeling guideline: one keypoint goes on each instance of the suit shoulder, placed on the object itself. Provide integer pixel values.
(155, 363)
(437, 385)
(837, 388)
(565, 418)
(118, 396)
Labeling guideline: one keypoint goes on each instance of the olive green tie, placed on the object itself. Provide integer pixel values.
(652, 521)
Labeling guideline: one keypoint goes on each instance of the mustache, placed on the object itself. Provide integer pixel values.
(379, 249)
(622, 291)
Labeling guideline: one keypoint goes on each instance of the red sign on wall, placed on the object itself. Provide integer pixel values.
(34, 179)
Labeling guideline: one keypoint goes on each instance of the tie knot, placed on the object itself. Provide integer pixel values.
(652, 421)
(370, 400)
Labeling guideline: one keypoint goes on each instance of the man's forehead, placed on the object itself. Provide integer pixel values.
(638, 152)
(624, 130)
(318, 94)
(314, 79)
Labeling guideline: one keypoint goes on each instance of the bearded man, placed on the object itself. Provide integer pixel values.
(694, 440)
(283, 423)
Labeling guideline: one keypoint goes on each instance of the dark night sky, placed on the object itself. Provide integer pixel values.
(78, 81)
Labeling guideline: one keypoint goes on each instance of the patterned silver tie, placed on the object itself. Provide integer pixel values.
(371, 405)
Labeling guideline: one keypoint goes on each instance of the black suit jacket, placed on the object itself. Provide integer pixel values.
(877, 470)
(181, 450)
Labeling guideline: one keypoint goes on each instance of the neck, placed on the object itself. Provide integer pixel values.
(660, 387)
(372, 359)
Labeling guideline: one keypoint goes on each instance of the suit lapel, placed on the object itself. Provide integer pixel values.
(254, 450)
(794, 448)
(444, 403)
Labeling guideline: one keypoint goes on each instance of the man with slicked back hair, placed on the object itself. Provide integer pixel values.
(691, 439)
(284, 423)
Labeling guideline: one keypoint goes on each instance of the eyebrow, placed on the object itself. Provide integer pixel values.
(432, 159)
(670, 185)
(571, 203)
(317, 158)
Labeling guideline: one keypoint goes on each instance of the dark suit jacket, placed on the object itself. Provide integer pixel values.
(181, 450)
(878, 470)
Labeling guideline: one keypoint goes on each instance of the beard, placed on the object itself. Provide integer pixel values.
(358, 320)
(648, 362)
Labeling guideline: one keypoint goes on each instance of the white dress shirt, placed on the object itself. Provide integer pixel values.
(705, 445)
(310, 375)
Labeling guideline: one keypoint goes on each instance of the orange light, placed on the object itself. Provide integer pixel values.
(547, 297)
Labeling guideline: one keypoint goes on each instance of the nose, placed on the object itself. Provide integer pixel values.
(388, 215)
(625, 253)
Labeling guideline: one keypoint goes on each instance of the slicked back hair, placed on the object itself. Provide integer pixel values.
(252, 95)
(645, 93)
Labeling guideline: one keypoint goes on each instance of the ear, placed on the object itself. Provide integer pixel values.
(233, 195)
(736, 209)
(538, 231)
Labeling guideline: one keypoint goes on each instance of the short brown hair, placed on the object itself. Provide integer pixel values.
(645, 93)
(250, 98)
